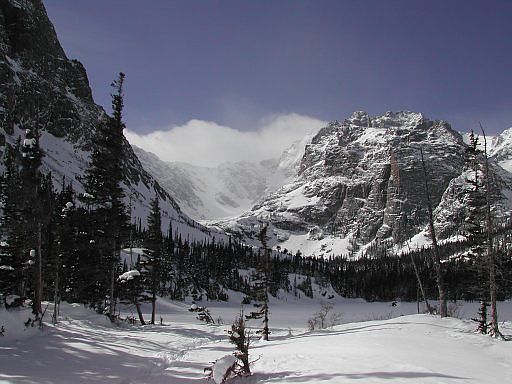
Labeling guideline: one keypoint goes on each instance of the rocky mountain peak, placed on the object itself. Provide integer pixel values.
(360, 180)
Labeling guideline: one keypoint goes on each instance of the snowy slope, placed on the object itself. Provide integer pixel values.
(227, 190)
(210, 193)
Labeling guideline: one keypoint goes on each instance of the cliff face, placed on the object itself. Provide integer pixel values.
(39, 84)
(40, 87)
(367, 174)
(361, 180)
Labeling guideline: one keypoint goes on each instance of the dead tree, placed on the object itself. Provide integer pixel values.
(420, 284)
(489, 248)
(443, 307)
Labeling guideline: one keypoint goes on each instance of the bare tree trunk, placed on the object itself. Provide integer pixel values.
(139, 312)
(443, 307)
(39, 273)
(56, 293)
(153, 307)
(265, 323)
(112, 303)
(495, 331)
(420, 284)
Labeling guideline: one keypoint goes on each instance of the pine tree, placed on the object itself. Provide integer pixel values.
(12, 269)
(132, 290)
(153, 255)
(473, 225)
(239, 336)
(64, 260)
(104, 195)
(261, 285)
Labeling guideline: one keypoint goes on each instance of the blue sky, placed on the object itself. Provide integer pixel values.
(237, 63)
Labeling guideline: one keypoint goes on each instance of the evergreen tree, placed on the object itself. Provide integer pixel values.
(64, 260)
(239, 336)
(261, 285)
(12, 260)
(104, 197)
(132, 290)
(474, 224)
(153, 254)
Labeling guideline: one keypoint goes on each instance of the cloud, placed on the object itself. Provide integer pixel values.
(207, 143)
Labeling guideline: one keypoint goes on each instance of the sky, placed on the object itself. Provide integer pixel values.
(237, 67)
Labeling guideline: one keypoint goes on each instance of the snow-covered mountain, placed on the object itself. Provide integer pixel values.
(360, 182)
(228, 190)
(41, 87)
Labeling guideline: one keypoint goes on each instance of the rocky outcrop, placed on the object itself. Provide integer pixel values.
(39, 84)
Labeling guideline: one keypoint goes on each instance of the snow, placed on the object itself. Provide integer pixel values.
(130, 275)
(221, 367)
(29, 143)
(372, 136)
(314, 246)
(377, 343)
(130, 256)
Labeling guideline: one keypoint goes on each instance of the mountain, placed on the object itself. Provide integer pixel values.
(500, 149)
(41, 87)
(228, 190)
(360, 183)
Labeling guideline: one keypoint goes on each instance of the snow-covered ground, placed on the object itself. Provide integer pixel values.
(377, 343)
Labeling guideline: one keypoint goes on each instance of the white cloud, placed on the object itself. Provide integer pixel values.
(208, 144)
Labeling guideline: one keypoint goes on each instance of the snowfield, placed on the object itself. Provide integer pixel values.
(397, 346)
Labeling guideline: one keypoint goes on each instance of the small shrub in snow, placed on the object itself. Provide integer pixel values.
(203, 314)
(482, 318)
(237, 364)
(239, 336)
(324, 318)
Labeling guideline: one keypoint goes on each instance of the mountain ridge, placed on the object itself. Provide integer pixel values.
(360, 181)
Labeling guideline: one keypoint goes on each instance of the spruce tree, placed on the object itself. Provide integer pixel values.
(104, 197)
(261, 285)
(11, 246)
(474, 225)
(153, 254)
